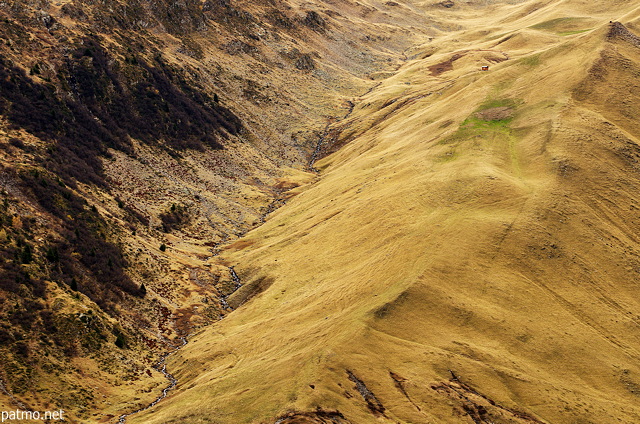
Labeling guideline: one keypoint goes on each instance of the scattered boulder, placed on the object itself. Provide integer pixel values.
(237, 47)
(74, 11)
(320, 416)
(48, 20)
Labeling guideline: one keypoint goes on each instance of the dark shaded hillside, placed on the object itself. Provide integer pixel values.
(81, 97)
(95, 103)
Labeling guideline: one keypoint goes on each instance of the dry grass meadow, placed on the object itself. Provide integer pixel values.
(470, 254)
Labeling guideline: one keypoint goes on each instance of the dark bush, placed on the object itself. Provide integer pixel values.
(83, 234)
(134, 214)
(5, 336)
(16, 142)
(176, 217)
(121, 342)
(26, 256)
(52, 255)
(48, 321)
(222, 11)
(21, 348)
(74, 11)
(180, 17)
(314, 21)
(12, 275)
(23, 317)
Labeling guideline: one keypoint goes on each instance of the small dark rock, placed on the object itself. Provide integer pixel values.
(305, 62)
(314, 21)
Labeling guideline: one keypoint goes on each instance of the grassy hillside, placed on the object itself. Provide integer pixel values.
(136, 138)
(469, 255)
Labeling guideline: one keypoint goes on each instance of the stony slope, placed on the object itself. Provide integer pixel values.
(470, 253)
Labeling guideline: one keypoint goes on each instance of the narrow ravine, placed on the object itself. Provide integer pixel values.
(277, 202)
(327, 129)
(173, 382)
(161, 365)
(4, 389)
(319, 144)
(223, 298)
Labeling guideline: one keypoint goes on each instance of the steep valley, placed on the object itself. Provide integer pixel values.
(350, 220)
(138, 138)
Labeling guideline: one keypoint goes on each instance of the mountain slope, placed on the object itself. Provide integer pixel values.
(137, 137)
(470, 254)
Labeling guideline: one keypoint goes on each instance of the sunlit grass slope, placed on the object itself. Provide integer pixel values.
(469, 255)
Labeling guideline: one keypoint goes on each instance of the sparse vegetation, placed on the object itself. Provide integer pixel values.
(175, 218)
(160, 105)
(565, 26)
(82, 230)
(491, 117)
(531, 60)
(580, 31)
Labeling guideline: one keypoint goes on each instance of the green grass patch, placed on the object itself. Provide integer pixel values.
(564, 26)
(493, 103)
(475, 127)
(554, 24)
(487, 131)
(530, 61)
(472, 128)
(580, 31)
(477, 124)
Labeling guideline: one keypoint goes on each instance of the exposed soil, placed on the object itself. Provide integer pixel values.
(374, 405)
(620, 32)
(480, 408)
(447, 65)
(495, 114)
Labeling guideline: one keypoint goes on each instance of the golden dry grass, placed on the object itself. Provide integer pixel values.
(504, 251)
